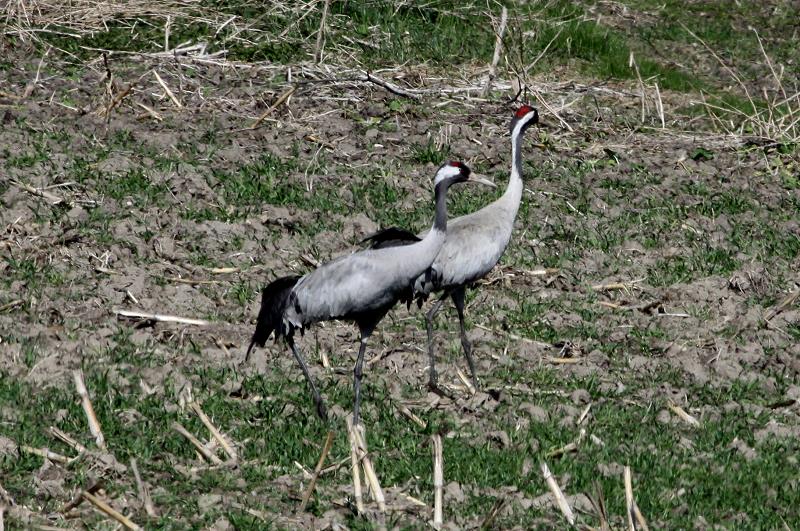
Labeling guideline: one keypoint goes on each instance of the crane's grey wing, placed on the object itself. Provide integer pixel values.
(397, 237)
(363, 281)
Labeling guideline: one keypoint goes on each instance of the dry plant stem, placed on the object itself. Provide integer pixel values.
(493, 512)
(51, 198)
(632, 64)
(615, 286)
(321, 32)
(686, 417)
(46, 453)
(117, 100)
(67, 439)
(78, 499)
(639, 517)
(94, 424)
(498, 47)
(157, 117)
(438, 480)
(599, 504)
(205, 452)
(172, 97)
(552, 111)
(584, 414)
(411, 416)
(2, 523)
(660, 107)
(214, 431)
(144, 493)
(513, 336)
(629, 498)
(636, 521)
(786, 303)
(4, 495)
(724, 66)
(10, 305)
(777, 78)
(369, 471)
(391, 87)
(317, 470)
(463, 377)
(161, 317)
(359, 446)
(563, 505)
(355, 466)
(110, 511)
(281, 99)
(544, 51)
(569, 447)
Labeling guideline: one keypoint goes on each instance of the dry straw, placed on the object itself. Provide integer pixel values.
(773, 119)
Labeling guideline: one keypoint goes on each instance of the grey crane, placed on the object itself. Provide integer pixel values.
(360, 287)
(473, 247)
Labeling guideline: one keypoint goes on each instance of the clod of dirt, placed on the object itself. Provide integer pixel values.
(773, 429)
(580, 397)
(222, 524)
(610, 470)
(536, 413)
(7, 447)
(49, 480)
(454, 493)
(742, 447)
(206, 502)
(499, 437)
(536, 503)
(359, 227)
(664, 417)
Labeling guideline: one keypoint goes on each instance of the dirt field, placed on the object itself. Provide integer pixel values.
(645, 312)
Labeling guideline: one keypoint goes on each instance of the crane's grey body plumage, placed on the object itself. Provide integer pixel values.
(474, 245)
(359, 287)
(361, 282)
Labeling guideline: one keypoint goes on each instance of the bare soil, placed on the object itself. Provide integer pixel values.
(94, 253)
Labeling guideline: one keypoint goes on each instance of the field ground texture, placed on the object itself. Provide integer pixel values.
(173, 157)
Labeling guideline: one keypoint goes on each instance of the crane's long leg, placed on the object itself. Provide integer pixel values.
(458, 296)
(433, 378)
(323, 414)
(357, 378)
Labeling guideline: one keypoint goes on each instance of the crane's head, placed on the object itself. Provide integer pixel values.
(457, 172)
(523, 118)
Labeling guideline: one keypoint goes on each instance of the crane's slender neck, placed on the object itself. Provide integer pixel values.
(425, 251)
(513, 191)
(440, 219)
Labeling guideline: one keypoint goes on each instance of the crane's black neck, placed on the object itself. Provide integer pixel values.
(516, 153)
(440, 220)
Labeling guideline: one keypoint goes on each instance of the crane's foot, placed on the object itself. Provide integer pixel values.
(434, 387)
(321, 411)
(475, 383)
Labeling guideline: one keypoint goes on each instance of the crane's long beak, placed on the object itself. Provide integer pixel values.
(481, 180)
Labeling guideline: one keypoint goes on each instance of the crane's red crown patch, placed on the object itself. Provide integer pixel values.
(522, 111)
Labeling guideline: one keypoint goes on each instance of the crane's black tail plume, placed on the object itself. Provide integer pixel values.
(274, 299)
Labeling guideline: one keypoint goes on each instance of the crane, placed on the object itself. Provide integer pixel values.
(475, 242)
(359, 287)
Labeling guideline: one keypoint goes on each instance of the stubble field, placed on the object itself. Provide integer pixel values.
(645, 314)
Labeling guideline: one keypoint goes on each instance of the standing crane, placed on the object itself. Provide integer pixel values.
(360, 287)
(473, 247)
